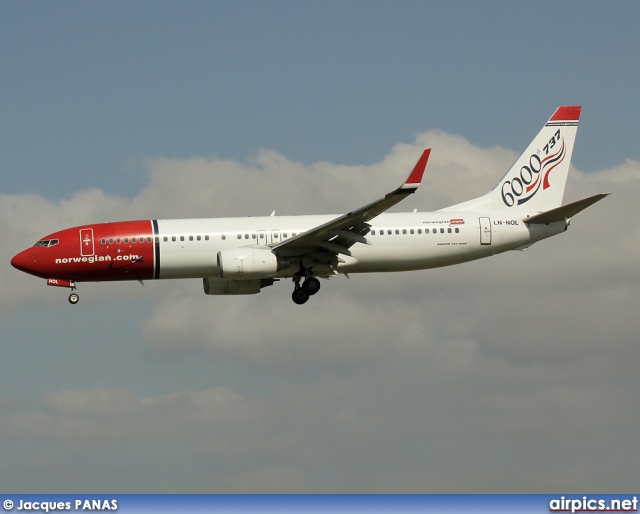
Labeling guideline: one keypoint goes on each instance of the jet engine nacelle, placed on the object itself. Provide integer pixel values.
(249, 263)
(223, 286)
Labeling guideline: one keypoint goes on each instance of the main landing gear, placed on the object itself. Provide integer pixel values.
(74, 298)
(309, 287)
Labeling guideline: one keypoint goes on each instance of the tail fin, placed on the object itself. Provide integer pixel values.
(536, 181)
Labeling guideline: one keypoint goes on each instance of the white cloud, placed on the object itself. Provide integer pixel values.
(498, 368)
(109, 413)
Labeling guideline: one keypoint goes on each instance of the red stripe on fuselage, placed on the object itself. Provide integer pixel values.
(118, 251)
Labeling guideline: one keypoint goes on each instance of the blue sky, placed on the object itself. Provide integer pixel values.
(512, 374)
(90, 89)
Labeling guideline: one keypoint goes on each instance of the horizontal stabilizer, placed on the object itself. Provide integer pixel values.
(564, 212)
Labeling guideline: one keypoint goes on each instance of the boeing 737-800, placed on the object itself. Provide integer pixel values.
(242, 255)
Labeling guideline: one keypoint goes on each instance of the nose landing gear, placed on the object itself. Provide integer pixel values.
(309, 287)
(57, 282)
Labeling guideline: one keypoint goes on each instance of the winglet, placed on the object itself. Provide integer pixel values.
(414, 179)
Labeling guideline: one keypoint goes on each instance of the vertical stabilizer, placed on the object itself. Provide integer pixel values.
(536, 181)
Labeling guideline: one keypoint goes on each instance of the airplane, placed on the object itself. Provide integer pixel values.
(239, 256)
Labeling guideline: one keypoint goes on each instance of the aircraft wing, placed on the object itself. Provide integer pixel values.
(324, 242)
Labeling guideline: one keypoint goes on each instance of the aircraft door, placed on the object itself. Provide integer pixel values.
(485, 231)
(86, 242)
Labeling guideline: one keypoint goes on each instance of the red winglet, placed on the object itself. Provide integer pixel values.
(567, 113)
(416, 175)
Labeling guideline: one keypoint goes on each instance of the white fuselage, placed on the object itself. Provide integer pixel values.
(396, 242)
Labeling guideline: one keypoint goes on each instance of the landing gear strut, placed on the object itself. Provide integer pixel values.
(309, 287)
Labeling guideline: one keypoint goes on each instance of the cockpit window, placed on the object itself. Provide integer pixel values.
(47, 242)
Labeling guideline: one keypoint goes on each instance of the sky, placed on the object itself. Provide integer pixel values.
(517, 373)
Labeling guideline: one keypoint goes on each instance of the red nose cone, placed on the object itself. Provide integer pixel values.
(24, 261)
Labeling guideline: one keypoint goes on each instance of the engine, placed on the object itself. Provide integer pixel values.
(221, 286)
(250, 263)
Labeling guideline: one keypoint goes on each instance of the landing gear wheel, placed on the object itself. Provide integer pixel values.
(74, 298)
(311, 286)
(299, 296)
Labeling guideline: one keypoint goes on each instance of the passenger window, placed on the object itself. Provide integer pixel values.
(254, 236)
(181, 238)
(457, 230)
(199, 238)
(261, 236)
(134, 239)
(419, 231)
(173, 238)
(224, 237)
(246, 236)
(442, 231)
(110, 241)
(118, 240)
(206, 238)
(389, 231)
(284, 235)
(190, 238)
(239, 236)
(449, 230)
(149, 239)
(103, 241)
(411, 231)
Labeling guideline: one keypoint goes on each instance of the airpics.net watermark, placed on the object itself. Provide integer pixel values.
(586, 504)
(60, 506)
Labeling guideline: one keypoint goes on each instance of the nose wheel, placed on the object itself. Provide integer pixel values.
(59, 282)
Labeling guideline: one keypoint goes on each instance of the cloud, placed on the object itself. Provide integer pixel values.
(110, 413)
(513, 373)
